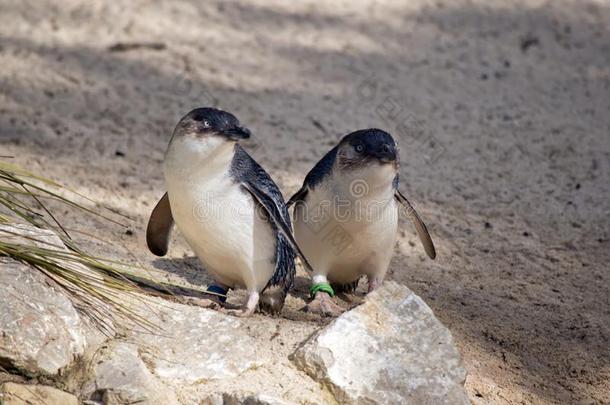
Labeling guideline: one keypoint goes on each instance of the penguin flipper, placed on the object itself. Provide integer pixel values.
(274, 212)
(316, 175)
(160, 227)
(422, 231)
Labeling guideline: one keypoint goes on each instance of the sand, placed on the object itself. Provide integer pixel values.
(501, 109)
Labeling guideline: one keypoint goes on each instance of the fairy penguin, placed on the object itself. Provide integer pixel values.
(346, 216)
(228, 209)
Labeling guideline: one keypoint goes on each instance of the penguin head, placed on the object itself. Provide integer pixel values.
(366, 146)
(211, 122)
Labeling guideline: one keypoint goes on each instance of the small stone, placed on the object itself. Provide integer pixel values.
(529, 41)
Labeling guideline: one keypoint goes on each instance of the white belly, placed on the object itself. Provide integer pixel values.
(341, 247)
(221, 223)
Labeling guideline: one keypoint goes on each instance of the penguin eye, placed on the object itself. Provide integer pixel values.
(359, 148)
(206, 123)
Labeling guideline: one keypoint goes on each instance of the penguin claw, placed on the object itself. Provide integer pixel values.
(323, 304)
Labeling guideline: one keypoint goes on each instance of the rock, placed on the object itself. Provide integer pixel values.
(195, 348)
(40, 330)
(208, 357)
(389, 350)
(121, 377)
(199, 345)
(237, 399)
(19, 394)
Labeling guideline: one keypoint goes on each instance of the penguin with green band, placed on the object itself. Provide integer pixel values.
(346, 216)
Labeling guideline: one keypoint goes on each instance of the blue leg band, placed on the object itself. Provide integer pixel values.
(220, 292)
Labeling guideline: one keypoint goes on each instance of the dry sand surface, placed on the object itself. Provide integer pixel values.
(501, 109)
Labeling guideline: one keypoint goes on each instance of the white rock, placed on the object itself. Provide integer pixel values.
(41, 332)
(198, 345)
(389, 350)
(193, 348)
(121, 377)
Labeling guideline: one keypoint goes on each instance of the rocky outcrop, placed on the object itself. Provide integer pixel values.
(19, 394)
(41, 331)
(194, 346)
(390, 350)
(196, 355)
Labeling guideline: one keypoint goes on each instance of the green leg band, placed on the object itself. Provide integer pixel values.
(324, 287)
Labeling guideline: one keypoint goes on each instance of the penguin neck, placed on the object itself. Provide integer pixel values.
(372, 182)
(190, 156)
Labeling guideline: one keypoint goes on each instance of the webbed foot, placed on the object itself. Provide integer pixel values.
(374, 282)
(324, 305)
(272, 300)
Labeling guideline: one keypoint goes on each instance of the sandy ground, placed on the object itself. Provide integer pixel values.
(501, 109)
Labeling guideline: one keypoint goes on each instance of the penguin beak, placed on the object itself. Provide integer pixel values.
(386, 154)
(237, 133)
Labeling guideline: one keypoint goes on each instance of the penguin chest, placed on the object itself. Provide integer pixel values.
(344, 242)
(369, 244)
(222, 224)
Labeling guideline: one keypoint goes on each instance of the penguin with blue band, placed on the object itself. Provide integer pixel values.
(228, 209)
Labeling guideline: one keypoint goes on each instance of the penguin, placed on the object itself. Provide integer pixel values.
(228, 209)
(346, 216)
